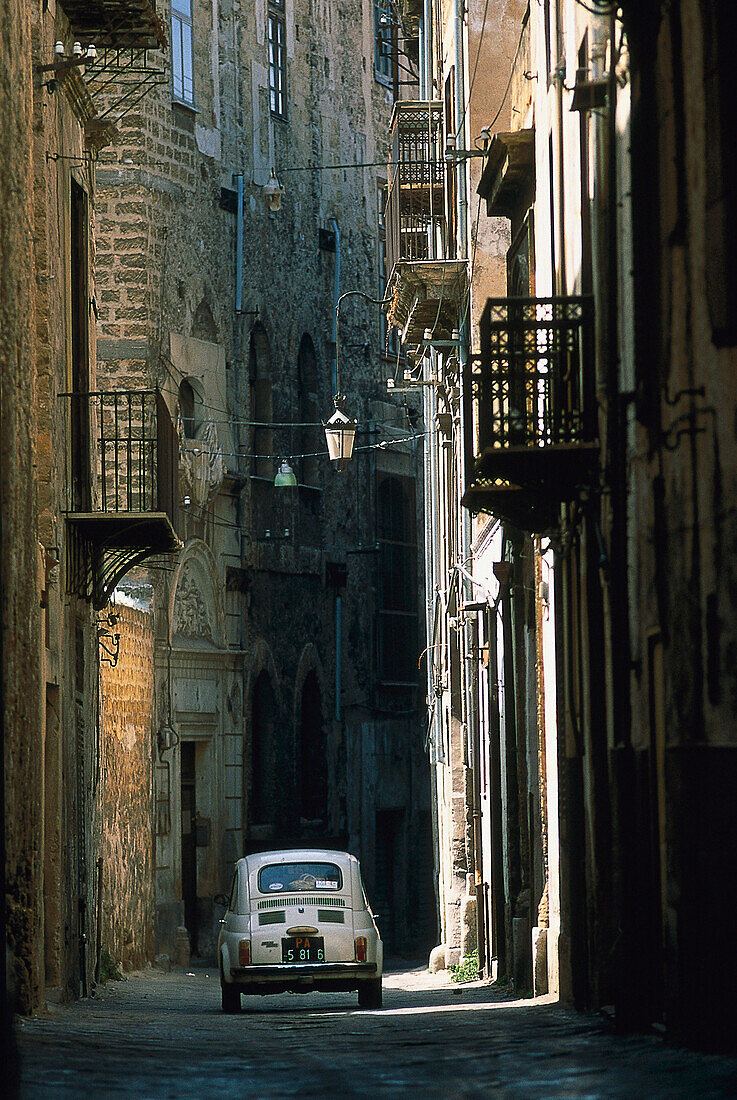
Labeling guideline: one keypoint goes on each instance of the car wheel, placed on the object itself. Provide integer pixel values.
(369, 994)
(231, 998)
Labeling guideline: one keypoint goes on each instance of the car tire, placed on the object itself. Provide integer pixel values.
(231, 998)
(369, 994)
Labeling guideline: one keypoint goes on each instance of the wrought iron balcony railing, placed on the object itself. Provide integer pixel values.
(415, 210)
(121, 481)
(531, 418)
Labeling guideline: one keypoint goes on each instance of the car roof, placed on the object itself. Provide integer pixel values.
(297, 855)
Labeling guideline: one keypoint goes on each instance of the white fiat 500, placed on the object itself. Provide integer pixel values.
(299, 921)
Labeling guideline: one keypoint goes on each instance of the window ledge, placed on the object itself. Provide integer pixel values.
(182, 104)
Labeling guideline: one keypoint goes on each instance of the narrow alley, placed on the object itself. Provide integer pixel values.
(368, 547)
(163, 1035)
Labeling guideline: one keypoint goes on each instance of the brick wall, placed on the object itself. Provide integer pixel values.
(126, 783)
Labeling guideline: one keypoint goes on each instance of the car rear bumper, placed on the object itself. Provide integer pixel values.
(294, 972)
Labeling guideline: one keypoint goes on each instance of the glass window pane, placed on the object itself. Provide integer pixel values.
(182, 7)
(282, 877)
(187, 75)
(176, 56)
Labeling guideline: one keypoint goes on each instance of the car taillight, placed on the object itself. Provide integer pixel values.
(361, 949)
(244, 952)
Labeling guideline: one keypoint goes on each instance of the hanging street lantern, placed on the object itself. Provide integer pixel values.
(340, 433)
(285, 476)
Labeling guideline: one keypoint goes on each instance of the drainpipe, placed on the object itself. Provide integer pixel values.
(336, 296)
(338, 653)
(338, 598)
(238, 180)
(560, 79)
(469, 710)
(431, 530)
(426, 73)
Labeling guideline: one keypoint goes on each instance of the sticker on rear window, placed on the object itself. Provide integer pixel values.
(325, 884)
(276, 885)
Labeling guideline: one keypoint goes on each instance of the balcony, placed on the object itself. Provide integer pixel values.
(128, 36)
(121, 479)
(117, 24)
(530, 410)
(426, 288)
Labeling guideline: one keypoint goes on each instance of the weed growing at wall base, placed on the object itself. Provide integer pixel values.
(467, 970)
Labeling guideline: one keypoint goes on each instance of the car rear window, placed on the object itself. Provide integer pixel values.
(278, 877)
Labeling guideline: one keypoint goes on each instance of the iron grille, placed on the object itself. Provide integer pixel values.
(534, 385)
(281, 903)
(415, 210)
(131, 444)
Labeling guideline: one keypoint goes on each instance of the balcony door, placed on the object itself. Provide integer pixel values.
(80, 344)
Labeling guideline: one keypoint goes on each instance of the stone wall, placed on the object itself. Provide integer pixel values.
(20, 641)
(126, 793)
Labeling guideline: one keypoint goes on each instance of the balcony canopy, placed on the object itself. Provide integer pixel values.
(426, 294)
(508, 169)
(116, 23)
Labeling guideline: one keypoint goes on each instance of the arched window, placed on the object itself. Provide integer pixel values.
(313, 774)
(190, 409)
(309, 436)
(203, 324)
(259, 373)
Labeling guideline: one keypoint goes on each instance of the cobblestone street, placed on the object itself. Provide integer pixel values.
(163, 1035)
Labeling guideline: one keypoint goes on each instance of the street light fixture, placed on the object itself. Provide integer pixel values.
(285, 476)
(340, 429)
(273, 192)
(340, 434)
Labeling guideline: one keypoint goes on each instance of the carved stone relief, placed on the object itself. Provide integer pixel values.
(201, 465)
(190, 614)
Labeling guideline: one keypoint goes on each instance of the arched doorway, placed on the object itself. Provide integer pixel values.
(313, 777)
(265, 762)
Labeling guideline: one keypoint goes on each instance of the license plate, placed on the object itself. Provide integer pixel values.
(303, 949)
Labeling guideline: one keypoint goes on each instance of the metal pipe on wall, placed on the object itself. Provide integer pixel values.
(238, 179)
(336, 298)
(426, 71)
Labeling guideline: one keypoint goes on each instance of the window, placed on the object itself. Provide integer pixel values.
(190, 407)
(383, 40)
(397, 627)
(186, 409)
(181, 51)
(80, 297)
(277, 59)
(721, 167)
(278, 877)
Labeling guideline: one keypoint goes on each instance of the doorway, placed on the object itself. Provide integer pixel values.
(189, 841)
(313, 777)
(387, 890)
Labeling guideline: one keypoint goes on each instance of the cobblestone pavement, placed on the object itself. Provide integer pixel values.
(163, 1035)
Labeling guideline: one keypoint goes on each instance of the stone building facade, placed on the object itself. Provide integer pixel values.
(597, 432)
(274, 687)
(59, 498)
(483, 642)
